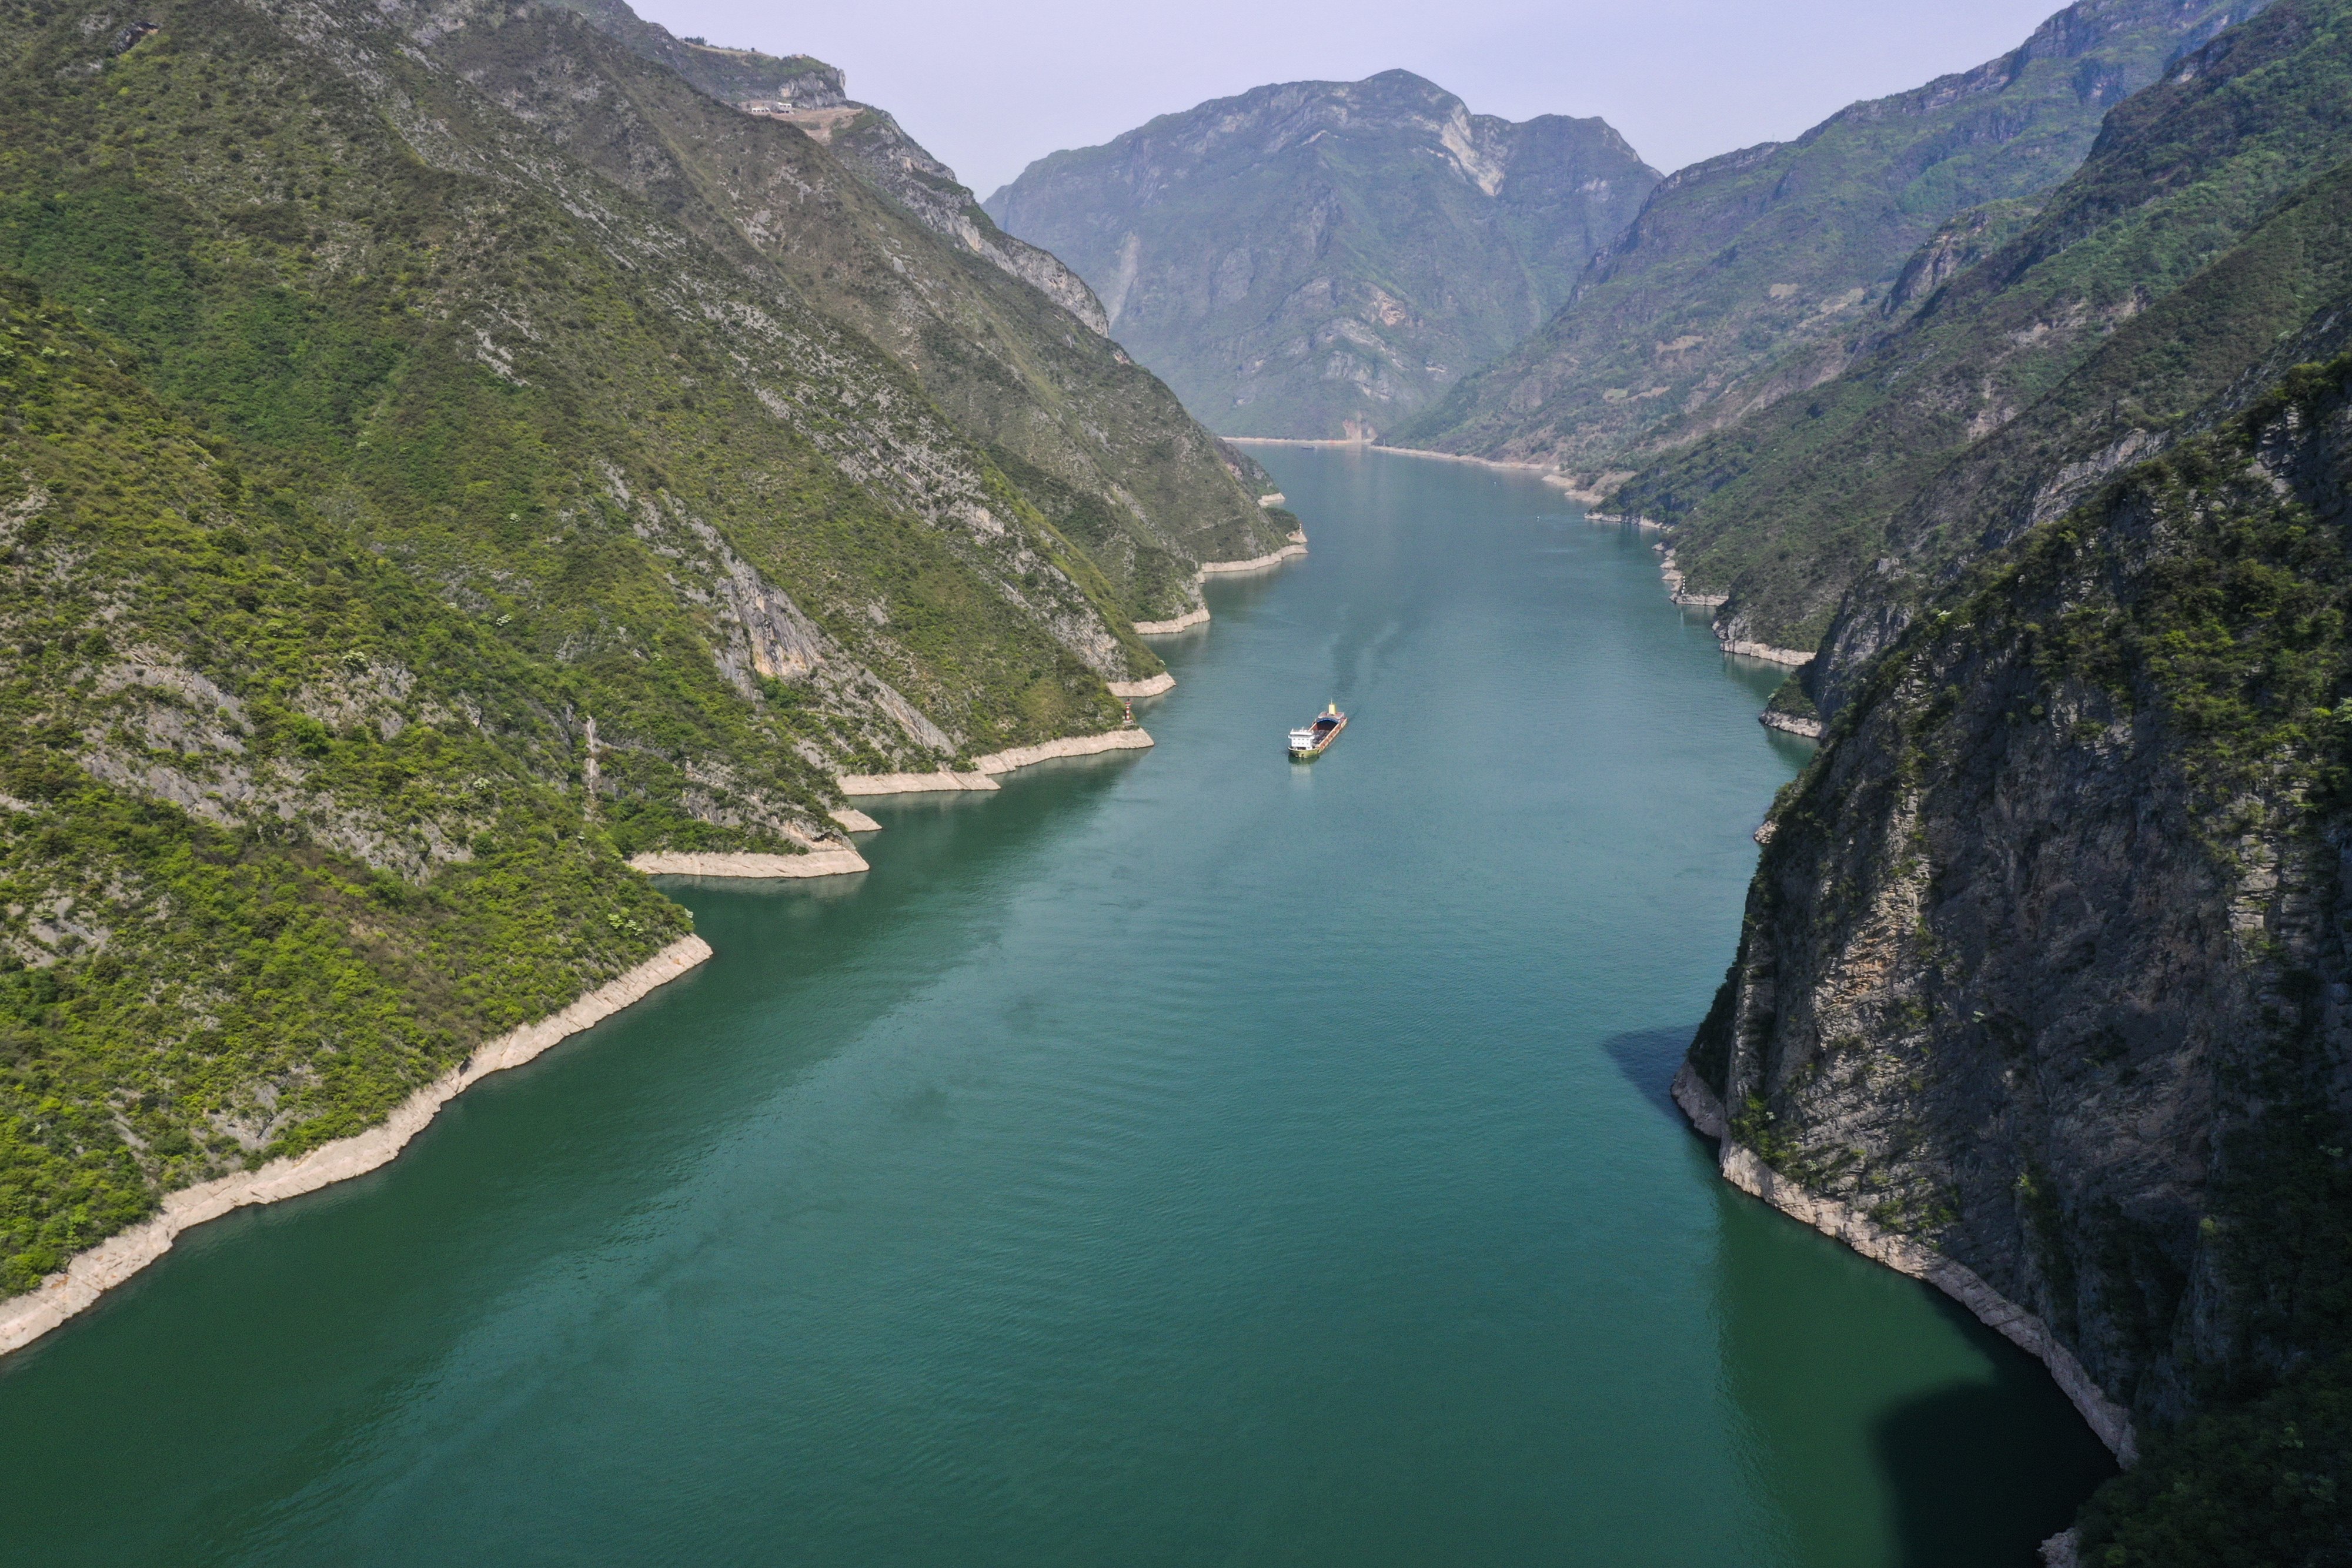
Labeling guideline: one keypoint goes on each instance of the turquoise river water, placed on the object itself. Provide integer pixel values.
(1180, 1157)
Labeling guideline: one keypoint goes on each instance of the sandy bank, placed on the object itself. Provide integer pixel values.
(1586, 496)
(982, 777)
(855, 820)
(1069, 746)
(1790, 724)
(1183, 622)
(1764, 650)
(1392, 451)
(1291, 552)
(91, 1274)
(1544, 471)
(1162, 682)
(1743, 1169)
(858, 785)
(817, 863)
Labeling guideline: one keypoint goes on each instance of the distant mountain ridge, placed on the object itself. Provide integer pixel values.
(1758, 273)
(1325, 259)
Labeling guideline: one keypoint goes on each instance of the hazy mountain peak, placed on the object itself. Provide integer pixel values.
(1285, 259)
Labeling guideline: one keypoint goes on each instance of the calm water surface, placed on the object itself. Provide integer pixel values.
(1183, 1158)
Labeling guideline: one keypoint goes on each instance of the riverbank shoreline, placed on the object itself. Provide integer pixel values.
(1745, 1169)
(1199, 617)
(1792, 657)
(1550, 476)
(1678, 591)
(985, 770)
(1291, 552)
(1553, 476)
(88, 1275)
(817, 863)
(1790, 724)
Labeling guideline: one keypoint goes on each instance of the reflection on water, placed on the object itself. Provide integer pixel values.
(1975, 1454)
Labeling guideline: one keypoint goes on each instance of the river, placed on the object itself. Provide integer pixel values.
(1179, 1158)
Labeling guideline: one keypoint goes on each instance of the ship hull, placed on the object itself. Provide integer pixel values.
(1309, 752)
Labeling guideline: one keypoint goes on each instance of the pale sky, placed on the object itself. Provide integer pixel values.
(988, 88)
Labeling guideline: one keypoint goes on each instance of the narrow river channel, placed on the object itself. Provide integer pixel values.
(1180, 1157)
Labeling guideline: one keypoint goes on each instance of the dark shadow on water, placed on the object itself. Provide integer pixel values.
(1982, 1473)
(1760, 676)
(1232, 595)
(1649, 1058)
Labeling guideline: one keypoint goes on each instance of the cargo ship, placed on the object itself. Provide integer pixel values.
(1306, 745)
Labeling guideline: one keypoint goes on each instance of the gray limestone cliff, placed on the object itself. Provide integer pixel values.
(2045, 966)
(2044, 988)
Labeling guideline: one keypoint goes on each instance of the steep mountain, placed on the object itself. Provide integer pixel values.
(815, 97)
(1325, 258)
(1756, 275)
(445, 452)
(2073, 319)
(1101, 447)
(2043, 989)
(2044, 971)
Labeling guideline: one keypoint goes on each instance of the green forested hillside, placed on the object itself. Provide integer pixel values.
(443, 454)
(1755, 274)
(998, 351)
(236, 739)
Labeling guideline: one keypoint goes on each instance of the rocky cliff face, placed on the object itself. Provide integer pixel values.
(1323, 258)
(2045, 963)
(874, 144)
(814, 97)
(1755, 274)
(728, 75)
(2044, 991)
